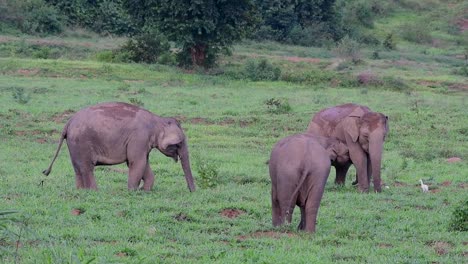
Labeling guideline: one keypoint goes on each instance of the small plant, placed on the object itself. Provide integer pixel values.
(20, 96)
(261, 71)
(389, 43)
(208, 173)
(375, 55)
(459, 220)
(278, 106)
(136, 101)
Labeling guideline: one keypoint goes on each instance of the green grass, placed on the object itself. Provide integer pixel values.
(228, 124)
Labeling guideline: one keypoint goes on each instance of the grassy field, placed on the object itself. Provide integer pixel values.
(231, 130)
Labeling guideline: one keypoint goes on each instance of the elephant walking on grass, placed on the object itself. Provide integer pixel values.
(299, 167)
(363, 132)
(114, 133)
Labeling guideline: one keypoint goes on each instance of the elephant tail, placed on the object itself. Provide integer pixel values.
(292, 201)
(62, 137)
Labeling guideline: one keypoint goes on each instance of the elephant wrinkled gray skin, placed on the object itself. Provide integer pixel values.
(299, 167)
(363, 131)
(114, 133)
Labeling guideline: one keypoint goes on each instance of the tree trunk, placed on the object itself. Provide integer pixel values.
(198, 53)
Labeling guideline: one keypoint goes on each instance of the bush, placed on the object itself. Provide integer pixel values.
(389, 43)
(348, 49)
(459, 220)
(20, 96)
(278, 106)
(32, 16)
(207, 173)
(313, 35)
(261, 71)
(146, 47)
(416, 33)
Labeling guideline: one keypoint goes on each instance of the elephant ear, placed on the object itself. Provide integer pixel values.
(352, 128)
(171, 134)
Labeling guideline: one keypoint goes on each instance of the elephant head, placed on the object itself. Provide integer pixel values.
(338, 152)
(172, 142)
(370, 131)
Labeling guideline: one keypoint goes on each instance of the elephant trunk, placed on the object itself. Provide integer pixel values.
(375, 157)
(185, 162)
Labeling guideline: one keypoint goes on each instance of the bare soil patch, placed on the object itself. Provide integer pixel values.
(399, 184)
(231, 213)
(181, 217)
(453, 159)
(77, 211)
(446, 183)
(267, 234)
(384, 245)
(462, 23)
(440, 247)
(28, 72)
(62, 117)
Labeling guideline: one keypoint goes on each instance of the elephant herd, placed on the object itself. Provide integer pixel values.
(114, 133)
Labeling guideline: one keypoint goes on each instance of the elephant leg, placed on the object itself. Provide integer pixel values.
(303, 217)
(84, 168)
(276, 211)
(311, 211)
(148, 178)
(136, 170)
(341, 171)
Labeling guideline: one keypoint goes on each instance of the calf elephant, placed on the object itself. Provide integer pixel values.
(114, 133)
(363, 131)
(299, 166)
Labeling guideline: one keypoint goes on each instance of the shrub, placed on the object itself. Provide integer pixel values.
(416, 32)
(396, 84)
(313, 35)
(146, 47)
(348, 49)
(105, 56)
(389, 42)
(313, 76)
(369, 78)
(207, 173)
(261, 71)
(20, 96)
(32, 16)
(459, 220)
(278, 106)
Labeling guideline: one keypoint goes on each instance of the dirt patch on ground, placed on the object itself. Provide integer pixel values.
(200, 120)
(399, 184)
(458, 87)
(440, 247)
(77, 211)
(231, 213)
(301, 59)
(267, 234)
(432, 84)
(462, 24)
(181, 217)
(384, 245)
(62, 117)
(27, 132)
(28, 72)
(453, 159)
(446, 183)
(463, 185)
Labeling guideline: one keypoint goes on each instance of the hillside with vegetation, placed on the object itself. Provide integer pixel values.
(260, 77)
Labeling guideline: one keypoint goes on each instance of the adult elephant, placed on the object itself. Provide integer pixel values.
(364, 133)
(114, 133)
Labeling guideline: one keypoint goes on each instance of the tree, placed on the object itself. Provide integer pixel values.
(200, 28)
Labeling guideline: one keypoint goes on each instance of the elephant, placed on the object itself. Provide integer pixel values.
(113, 133)
(299, 166)
(364, 133)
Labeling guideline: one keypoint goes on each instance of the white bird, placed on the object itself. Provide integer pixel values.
(424, 187)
